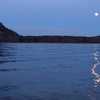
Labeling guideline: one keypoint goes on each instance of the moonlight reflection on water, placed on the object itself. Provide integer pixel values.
(95, 90)
(96, 55)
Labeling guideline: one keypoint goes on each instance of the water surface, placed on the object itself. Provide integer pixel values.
(49, 71)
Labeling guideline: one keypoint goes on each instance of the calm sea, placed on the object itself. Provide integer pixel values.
(49, 71)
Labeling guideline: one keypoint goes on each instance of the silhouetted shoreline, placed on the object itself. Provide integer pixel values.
(9, 36)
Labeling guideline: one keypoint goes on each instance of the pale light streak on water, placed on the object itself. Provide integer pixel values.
(94, 93)
(49, 71)
(97, 63)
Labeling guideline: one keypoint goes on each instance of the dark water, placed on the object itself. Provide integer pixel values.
(49, 72)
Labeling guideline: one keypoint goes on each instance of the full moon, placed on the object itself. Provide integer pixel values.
(96, 14)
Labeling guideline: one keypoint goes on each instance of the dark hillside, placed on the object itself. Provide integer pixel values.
(8, 35)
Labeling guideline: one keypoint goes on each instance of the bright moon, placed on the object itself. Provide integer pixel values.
(96, 14)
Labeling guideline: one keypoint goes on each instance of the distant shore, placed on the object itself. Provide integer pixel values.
(50, 39)
(10, 36)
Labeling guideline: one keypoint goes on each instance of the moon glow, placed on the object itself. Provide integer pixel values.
(96, 14)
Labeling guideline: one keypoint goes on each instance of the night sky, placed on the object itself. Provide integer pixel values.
(51, 17)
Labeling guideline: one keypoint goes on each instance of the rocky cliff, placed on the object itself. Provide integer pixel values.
(7, 35)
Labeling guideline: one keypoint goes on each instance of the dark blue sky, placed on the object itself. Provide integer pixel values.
(51, 17)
